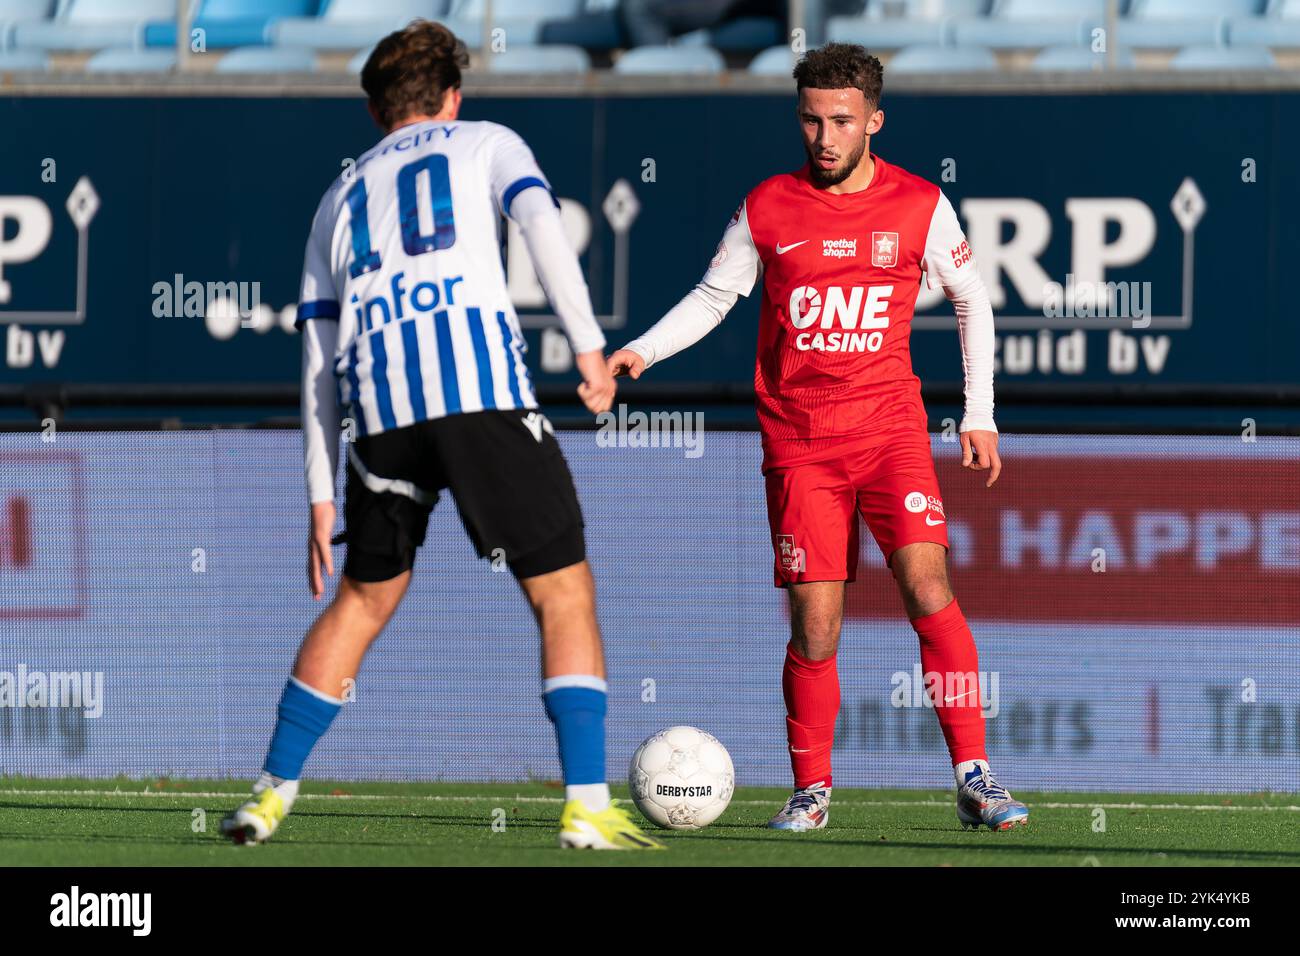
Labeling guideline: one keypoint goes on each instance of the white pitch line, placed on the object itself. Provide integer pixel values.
(446, 798)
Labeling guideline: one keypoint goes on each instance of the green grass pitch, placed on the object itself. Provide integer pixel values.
(69, 822)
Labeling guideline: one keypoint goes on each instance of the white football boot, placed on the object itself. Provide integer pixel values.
(982, 801)
(807, 809)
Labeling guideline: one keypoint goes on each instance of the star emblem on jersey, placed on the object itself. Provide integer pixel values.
(782, 250)
(884, 249)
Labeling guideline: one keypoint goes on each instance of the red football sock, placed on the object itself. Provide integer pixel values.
(947, 648)
(812, 703)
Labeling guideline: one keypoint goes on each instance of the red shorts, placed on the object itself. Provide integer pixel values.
(812, 507)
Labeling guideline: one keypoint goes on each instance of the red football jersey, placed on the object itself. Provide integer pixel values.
(841, 275)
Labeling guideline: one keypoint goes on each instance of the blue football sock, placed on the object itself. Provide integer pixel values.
(305, 715)
(575, 704)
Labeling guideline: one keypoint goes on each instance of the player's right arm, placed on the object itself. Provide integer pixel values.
(735, 268)
(318, 315)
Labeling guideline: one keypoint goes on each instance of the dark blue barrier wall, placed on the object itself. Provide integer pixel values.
(222, 190)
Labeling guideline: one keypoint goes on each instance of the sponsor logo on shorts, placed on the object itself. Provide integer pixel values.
(918, 501)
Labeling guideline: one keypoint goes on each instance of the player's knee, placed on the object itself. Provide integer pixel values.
(816, 635)
(925, 594)
(560, 593)
(374, 600)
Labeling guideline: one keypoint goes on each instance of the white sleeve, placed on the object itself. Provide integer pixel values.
(320, 409)
(699, 313)
(317, 295)
(736, 265)
(317, 319)
(512, 168)
(735, 268)
(556, 264)
(949, 262)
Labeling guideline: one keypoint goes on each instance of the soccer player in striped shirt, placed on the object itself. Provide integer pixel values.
(842, 244)
(407, 324)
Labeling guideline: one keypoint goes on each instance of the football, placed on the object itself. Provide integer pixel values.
(682, 778)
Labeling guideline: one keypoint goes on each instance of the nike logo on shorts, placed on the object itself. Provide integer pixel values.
(931, 522)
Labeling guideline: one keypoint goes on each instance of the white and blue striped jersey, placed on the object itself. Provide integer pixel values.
(404, 255)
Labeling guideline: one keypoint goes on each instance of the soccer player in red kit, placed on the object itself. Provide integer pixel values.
(841, 246)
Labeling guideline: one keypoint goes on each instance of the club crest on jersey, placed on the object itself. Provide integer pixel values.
(720, 256)
(884, 249)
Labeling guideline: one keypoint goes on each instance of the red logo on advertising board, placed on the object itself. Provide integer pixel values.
(42, 535)
(1109, 538)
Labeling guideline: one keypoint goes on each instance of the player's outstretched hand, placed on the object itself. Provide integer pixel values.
(626, 362)
(318, 546)
(598, 385)
(979, 452)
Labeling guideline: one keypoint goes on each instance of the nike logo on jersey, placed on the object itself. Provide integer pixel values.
(931, 522)
(782, 250)
(536, 424)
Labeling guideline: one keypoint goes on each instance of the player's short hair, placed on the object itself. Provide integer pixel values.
(410, 71)
(838, 66)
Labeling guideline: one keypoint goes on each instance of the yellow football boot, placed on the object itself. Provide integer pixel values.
(610, 829)
(257, 818)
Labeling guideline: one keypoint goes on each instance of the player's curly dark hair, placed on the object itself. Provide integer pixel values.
(410, 71)
(838, 66)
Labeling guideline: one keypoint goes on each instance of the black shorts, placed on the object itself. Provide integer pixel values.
(505, 470)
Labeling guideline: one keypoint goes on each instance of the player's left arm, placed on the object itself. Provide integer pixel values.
(949, 261)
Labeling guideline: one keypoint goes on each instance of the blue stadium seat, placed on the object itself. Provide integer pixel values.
(354, 24)
(24, 61)
(942, 59)
(746, 34)
(262, 59)
(1076, 59)
(670, 60)
(1021, 24)
(93, 24)
(1281, 28)
(1223, 58)
(593, 30)
(232, 23)
(774, 61)
(13, 12)
(520, 19)
(1179, 23)
(877, 30)
(538, 59)
(132, 60)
